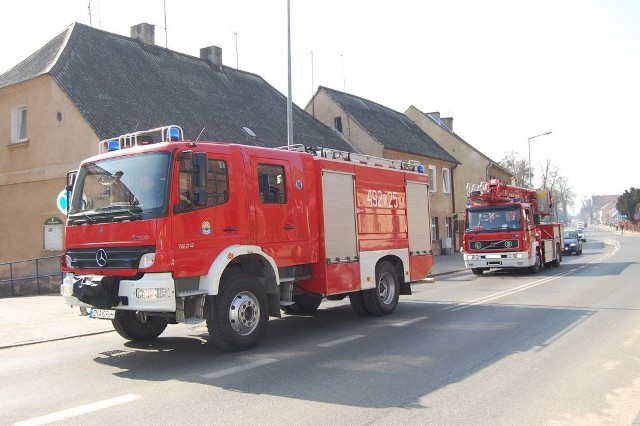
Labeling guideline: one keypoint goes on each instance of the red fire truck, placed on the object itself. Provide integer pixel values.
(162, 230)
(503, 228)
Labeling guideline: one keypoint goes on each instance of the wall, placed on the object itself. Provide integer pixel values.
(33, 173)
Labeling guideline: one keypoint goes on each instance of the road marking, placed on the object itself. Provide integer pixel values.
(340, 341)
(240, 368)
(411, 321)
(78, 411)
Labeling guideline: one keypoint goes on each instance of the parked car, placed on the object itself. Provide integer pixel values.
(581, 234)
(572, 243)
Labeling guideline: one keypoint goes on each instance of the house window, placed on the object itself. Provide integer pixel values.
(337, 124)
(19, 124)
(446, 181)
(435, 235)
(448, 227)
(433, 183)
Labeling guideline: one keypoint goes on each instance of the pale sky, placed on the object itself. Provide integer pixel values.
(506, 70)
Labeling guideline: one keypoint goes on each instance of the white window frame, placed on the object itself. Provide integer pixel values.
(433, 181)
(446, 181)
(447, 227)
(434, 228)
(19, 124)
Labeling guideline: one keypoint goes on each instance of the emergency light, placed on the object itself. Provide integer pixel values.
(173, 133)
(113, 145)
(421, 168)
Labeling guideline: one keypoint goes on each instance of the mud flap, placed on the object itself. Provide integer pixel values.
(102, 294)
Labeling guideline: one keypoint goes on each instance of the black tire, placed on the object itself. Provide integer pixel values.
(137, 326)
(537, 266)
(240, 314)
(303, 304)
(357, 304)
(383, 299)
(477, 271)
(558, 259)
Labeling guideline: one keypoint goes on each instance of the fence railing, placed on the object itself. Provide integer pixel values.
(29, 277)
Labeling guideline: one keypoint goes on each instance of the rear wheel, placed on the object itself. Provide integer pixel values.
(477, 271)
(240, 314)
(357, 304)
(137, 326)
(383, 299)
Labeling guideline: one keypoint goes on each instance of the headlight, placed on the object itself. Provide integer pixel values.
(146, 261)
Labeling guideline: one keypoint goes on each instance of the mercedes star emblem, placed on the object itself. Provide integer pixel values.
(101, 257)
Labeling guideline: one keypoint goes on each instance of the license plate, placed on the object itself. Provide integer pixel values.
(102, 313)
(493, 256)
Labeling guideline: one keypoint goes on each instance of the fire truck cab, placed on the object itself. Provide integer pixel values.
(503, 229)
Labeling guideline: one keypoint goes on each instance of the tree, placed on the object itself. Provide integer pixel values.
(588, 210)
(629, 204)
(561, 193)
(519, 167)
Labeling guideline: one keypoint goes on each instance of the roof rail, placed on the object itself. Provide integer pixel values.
(143, 137)
(411, 165)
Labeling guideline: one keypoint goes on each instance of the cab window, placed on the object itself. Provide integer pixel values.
(271, 184)
(217, 184)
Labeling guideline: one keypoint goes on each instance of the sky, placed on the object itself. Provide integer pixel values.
(504, 70)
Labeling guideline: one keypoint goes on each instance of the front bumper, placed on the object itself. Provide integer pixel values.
(162, 282)
(498, 260)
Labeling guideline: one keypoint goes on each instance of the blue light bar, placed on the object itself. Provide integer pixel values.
(113, 145)
(174, 133)
(421, 168)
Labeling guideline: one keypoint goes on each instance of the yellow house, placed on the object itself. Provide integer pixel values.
(475, 168)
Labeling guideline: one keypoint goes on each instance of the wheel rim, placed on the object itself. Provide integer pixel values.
(386, 288)
(244, 313)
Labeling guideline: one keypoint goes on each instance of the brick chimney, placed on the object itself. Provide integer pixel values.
(145, 33)
(212, 54)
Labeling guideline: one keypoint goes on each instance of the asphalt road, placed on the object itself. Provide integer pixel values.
(559, 347)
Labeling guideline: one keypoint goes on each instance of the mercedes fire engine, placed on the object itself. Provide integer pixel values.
(163, 230)
(503, 228)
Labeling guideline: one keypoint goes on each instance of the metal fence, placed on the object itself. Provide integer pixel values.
(29, 277)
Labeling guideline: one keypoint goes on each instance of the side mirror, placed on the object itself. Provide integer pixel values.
(200, 169)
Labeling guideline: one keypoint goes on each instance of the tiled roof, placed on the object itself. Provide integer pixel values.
(390, 128)
(120, 84)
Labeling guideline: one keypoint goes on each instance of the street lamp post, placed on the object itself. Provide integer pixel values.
(529, 143)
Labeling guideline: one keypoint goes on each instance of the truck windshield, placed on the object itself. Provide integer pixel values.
(493, 218)
(129, 188)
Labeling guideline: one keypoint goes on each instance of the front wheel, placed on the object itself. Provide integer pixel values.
(536, 266)
(137, 326)
(240, 314)
(477, 271)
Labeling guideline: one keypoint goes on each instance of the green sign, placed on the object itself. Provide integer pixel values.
(53, 221)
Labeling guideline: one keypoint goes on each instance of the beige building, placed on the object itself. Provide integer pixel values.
(475, 167)
(87, 85)
(376, 130)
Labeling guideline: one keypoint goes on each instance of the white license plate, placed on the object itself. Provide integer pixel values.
(102, 313)
(493, 256)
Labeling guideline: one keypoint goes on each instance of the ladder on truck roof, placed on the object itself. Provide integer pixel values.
(335, 154)
(142, 137)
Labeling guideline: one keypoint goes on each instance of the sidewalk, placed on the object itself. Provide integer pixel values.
(35, 319)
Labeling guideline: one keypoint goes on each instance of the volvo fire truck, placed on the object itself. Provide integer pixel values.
(162, 230)
(505, 228)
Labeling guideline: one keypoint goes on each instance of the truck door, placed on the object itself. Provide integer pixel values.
(200, 232)
(279, 208)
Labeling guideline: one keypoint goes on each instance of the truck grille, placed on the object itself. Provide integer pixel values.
(108, 258)
(493, 245)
